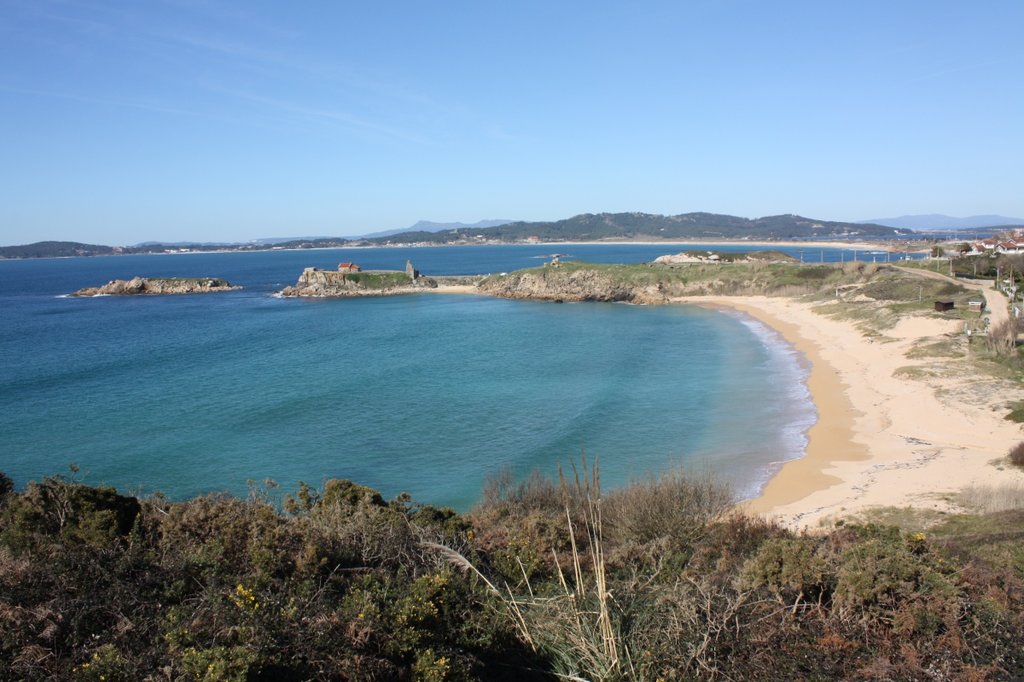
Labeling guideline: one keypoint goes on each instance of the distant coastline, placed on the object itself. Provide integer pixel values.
(915, 247)
(584, 229)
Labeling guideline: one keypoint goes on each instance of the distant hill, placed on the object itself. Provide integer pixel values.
(68, 249)
(283, 240)
(591, 226)
(937, 222)
(428, 226)
(56, 250)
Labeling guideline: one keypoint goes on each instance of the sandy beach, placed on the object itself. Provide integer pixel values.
(882, 438)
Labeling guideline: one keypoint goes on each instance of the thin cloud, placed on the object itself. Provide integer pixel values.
(350, 76)
(344, 118)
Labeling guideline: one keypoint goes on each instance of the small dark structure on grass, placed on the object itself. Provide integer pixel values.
(943, 306)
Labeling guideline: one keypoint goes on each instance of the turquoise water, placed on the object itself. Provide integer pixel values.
(427, 394)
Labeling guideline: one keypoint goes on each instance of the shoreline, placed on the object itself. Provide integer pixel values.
(879, 440)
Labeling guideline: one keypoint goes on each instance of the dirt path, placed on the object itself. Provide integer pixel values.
(996, 303)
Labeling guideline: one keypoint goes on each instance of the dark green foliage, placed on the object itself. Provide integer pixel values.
(1016, 414)
(62, 507)
(344, 585)
(379, 279)
(100, 586)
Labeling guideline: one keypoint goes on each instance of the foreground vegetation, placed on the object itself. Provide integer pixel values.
(543, 580)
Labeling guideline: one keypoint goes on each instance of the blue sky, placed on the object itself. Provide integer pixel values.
(127, 121)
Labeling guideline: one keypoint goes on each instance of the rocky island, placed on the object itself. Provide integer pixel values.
(150, 286)
(350, 280)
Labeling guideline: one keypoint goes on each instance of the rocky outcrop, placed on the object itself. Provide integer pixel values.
(724, 257)
(557, 284)
(141, 286)
(316, 283)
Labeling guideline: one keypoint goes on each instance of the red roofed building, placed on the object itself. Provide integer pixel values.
(348, 267)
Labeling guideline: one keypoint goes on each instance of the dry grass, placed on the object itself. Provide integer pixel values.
(586, 631)
(985, 499)
(675, 506)
(1002, 338)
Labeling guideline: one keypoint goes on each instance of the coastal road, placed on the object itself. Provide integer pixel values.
(996, 303)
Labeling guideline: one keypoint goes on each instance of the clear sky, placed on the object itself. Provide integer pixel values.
(136, 120)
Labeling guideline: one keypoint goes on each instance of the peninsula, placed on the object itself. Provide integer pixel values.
(158, 286)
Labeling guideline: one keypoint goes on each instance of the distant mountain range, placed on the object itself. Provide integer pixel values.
(584, 227)
(638, 226)
(936, 222)
(428, 226)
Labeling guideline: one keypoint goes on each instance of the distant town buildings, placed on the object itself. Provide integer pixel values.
(1005, 243)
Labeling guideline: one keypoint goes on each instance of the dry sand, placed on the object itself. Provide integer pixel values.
(881, 439)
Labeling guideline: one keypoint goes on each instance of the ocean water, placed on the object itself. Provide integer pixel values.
(427, 394)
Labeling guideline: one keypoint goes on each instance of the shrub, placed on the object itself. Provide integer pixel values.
(673, 506)
(60, 506)
(1016, 454)
(1002, 337)
(792, 569)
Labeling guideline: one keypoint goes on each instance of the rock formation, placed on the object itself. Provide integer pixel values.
(316, 283)
(158, 286)
(556, 284)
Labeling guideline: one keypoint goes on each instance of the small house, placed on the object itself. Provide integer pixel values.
(976, 306)
(943, 306)
(348, 267)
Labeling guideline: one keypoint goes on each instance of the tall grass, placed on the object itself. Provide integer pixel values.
(988, 499)
(584, 627)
